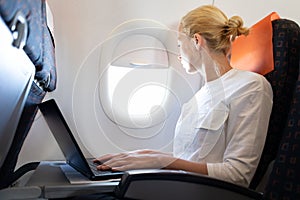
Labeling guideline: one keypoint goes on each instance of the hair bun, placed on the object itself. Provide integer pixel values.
(235, 22)
(236, 27)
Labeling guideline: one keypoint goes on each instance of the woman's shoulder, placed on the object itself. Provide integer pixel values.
(248, 77)
(243, 81)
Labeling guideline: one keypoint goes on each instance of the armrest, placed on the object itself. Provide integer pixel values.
(31, 192)
(170, 184)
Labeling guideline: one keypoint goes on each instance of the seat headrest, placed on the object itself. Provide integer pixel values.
(254, 52)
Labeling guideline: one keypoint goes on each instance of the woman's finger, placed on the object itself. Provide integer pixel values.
(107, 157)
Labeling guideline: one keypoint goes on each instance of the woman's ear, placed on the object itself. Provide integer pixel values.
(198, 40)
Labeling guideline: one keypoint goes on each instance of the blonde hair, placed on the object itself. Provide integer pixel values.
(214, 26)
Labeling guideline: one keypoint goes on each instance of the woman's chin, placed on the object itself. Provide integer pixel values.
(190, 71)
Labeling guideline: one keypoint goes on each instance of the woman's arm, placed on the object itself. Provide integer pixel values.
(180, 164)
(148, 159)
(247, 129)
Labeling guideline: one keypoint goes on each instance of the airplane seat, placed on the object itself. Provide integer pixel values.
(38, 45)
(283, 139)
(283, 81)
(281, 147)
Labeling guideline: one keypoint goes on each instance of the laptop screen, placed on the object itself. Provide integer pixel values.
(64, 136)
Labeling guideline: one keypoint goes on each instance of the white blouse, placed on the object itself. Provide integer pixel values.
(225, 125)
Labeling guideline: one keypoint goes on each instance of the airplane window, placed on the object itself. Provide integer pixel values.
(136, 82)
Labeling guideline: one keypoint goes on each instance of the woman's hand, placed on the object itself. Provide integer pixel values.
(140, 159)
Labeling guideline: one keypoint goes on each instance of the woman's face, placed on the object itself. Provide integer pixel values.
(189, 57)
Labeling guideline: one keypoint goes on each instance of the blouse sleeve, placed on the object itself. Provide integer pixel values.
(247, 129)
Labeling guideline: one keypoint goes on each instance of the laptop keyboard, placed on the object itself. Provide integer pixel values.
(93, 167)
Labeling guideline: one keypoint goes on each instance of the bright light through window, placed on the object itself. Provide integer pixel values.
(115, 74)
(140, 97)
(145, 99)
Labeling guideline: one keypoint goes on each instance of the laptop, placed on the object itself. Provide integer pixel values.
(69, 146)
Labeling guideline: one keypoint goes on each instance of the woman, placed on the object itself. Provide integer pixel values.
(221, 130)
